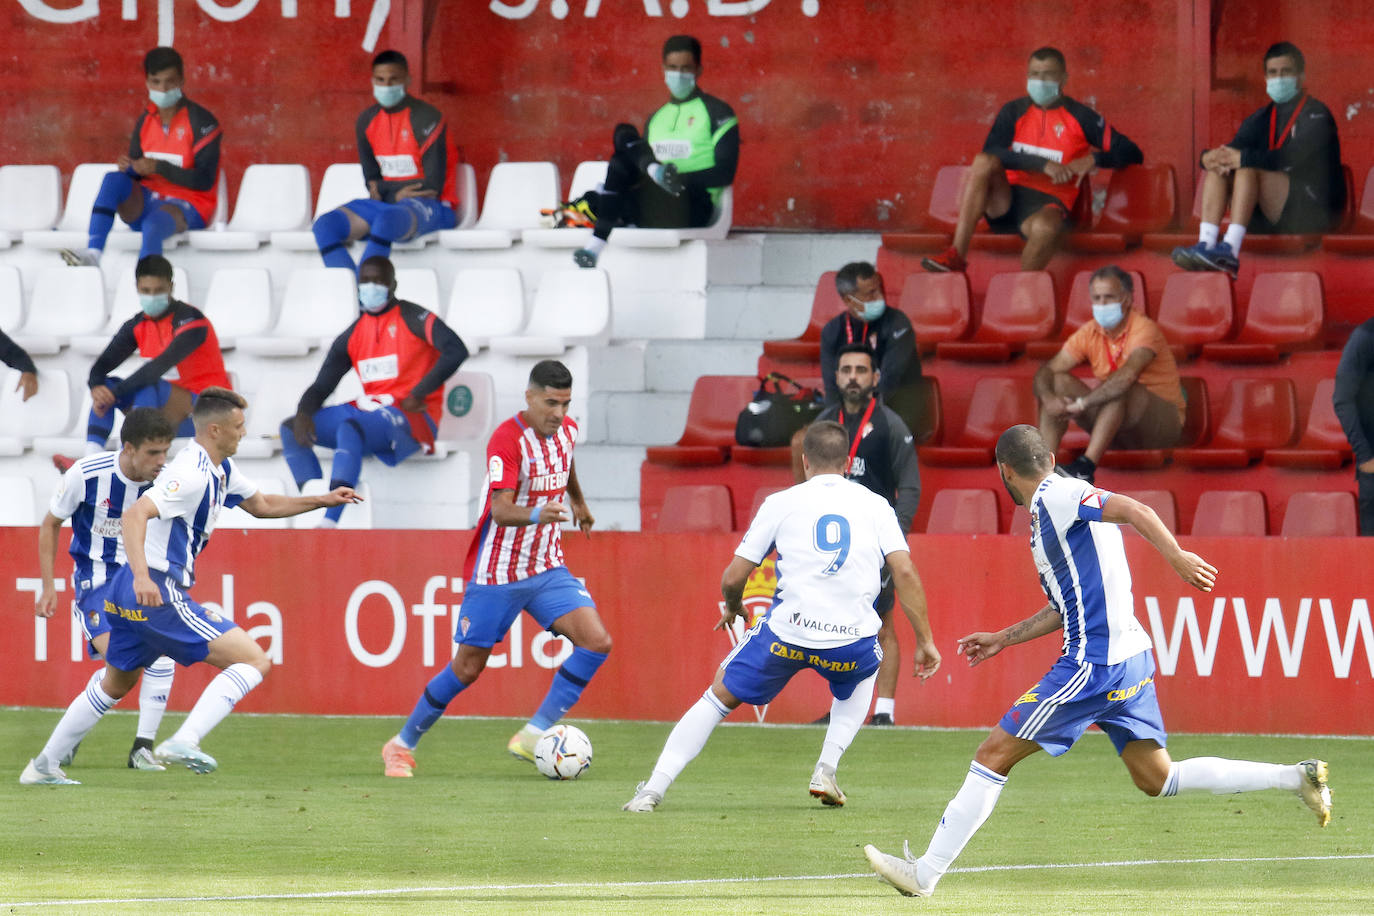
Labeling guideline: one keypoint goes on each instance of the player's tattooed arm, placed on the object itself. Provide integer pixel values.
(1046, 620)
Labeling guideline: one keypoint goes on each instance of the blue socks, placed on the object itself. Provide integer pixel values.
(568, 683)
(439, 692)
(115, 188)
(331, 235)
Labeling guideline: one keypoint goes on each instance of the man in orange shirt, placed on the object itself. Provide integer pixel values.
(1138, 402)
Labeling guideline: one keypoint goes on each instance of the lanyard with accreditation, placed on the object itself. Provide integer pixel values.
(858, 433)
(1276, 142)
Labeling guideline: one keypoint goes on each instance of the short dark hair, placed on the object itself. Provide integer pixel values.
(847, 277)
(858, 346)
(146, 424)
(391, 57)
(550, 373)
(1050, 53)
(683, 43)
(1287, 49)
(1023, 450)
(162, 58)
(826, 445)
(215, 403)
(382, 261)
(153, 265)
(1112, 272)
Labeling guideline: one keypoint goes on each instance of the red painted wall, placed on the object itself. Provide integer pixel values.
(845, 113)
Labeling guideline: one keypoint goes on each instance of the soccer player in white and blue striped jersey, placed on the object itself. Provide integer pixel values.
(94, 493)
(1105, 675)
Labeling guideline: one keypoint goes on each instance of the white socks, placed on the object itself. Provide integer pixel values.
(846, 716)
(154, 690)
(229, 686)
(1235, 234)
(963, 816)
(885, 705)
(686, 741)
(75, 724)
(595, 245)
(1208, 233)
(1227, 777)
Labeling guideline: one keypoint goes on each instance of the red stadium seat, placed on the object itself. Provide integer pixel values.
(711, 415)
(1140, 199)
(760, 495)
(1359, 238)
(938, 306)
(943, 213)
(696, 507)
(1231, 513)
(955, 511)
(1285, 313)
(1259, 414)
(807, 348)
(995, 404)
(1162, 501)
(1079, 310)
(1320, 514)
(1197, 309)
(1018, 307)
(1323, 445)
(1020, 522)
(932, 414)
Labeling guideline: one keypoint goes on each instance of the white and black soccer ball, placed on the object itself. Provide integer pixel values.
(563, 752)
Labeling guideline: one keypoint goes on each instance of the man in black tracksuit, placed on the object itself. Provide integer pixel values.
(1353, 399)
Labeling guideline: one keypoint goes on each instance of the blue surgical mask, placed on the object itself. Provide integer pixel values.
(154, 304)
(874, 310)
(388, 96)
(680, 84)
(1108, 314)
(373, 297)
(1281, 88)
(1042, 92)
(165, 99)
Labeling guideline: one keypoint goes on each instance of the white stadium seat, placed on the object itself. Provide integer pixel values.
(30, 200)
(271, 198)
(587, 177)
(468, 204)
(66, 302)
(17, 508)
(239, 303)
(516, 192)
(719, 228)
(469, 413)
(342, 182)
(71, 231)
(47, 413)
(355, 516)
(318, 304)
(419, 285)
(11, 299)
(124, 306)
(486, 303)
(271, 402)
(239, 518)
(572, 306)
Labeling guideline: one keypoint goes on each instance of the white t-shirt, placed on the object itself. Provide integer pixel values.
(190, 492)
(832, 537)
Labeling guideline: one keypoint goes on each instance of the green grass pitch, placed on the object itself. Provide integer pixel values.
(300, 820)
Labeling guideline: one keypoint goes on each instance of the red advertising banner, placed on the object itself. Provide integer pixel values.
(356, 622)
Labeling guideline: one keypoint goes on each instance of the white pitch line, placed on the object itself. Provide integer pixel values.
(605, 885)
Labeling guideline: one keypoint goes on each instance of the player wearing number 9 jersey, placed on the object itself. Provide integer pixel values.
(832, 537)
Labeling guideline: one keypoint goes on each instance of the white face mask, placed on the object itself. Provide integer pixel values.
(388, 96)
(1042, 92)
(373, 297)
(1108, 314)
(165, 99)
(1281, 88)
(680, 84)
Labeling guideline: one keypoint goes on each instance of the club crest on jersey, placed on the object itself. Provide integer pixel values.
(1059, 130)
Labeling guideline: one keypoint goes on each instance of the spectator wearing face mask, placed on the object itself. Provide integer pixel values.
(182, 353)
(169, 181)
(1137, 402)
(887, 332)
(403, 149)
(673, 175)
(403, 354)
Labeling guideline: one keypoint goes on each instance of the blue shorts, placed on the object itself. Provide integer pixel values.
(179, 628)
(761, 665)
(489, 610)
(1120, 699)
(153, 201)
(90, 613)
(430, 215)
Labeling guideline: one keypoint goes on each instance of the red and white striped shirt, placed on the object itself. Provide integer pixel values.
(536, 468)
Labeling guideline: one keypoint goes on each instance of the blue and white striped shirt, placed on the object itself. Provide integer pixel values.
(1082, 565)
(189, 493)
(95, 494)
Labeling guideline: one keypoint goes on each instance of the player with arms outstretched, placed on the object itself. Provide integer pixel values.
(1105, 674)
(515, 562)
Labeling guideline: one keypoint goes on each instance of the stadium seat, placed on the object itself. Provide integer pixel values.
(996, 403)
(71, 230)
(938, 306)
(342, 182)
(1078, 310)
(1330, 513)
(1323, 445)
(943, 213)
(1019, 307)
(572, 306)
(271, 198)
(17, 506)
(11, 299)
(1285, 313)
(1359, 238)
(47, 413)
(1162, 501)
(930, 426)
(271, 399)
(421, 286)
(469, 413)
(318, 304)
(123, 306)
(1197, 308)
(66, 302)
(825, 305)
(760, 495)
(516, 192)
(956, 511)
(239, 303)
(710, 428)
(1259, 414)
(1139, 199)
(30, 200)
(486, 303)
(238, 518)
(696, 507)
(356, 517)
(1231, 513)
(1020, 522)
(586, 177)
(465, 177)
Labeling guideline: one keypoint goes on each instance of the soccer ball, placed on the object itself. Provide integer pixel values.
(563, 752)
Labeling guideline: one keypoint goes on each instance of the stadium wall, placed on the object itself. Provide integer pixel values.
(1285, 644)
(847, 109)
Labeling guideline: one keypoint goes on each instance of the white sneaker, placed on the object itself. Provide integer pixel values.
(32, 776)
(179, 753)
(900, 873)
(644, 801)
(142, 758)
(1314, 791)
(823, 786)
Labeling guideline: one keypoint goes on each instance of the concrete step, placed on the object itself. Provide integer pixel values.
(758, 313)
(646, 418)
(797, 260)
(676, 365)
(609, 471)
(617, 366)
(610, 515)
